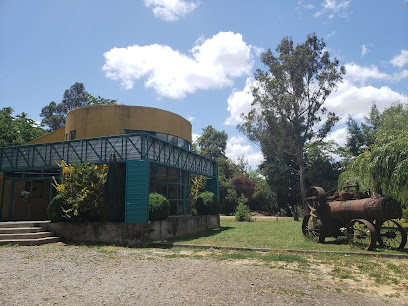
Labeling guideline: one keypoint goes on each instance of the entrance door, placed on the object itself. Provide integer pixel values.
(30, 199)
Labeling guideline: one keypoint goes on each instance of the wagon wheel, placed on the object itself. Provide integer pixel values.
(312, 228)
(361, 233)
(316, 197)
(391, 235)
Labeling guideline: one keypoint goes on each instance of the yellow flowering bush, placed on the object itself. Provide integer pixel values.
(81, 188)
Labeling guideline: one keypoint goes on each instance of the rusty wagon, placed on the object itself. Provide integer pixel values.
(364, 220)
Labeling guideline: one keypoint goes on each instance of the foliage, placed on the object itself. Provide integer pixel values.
(55, 211)
(288, 100)
(387, 159)
(208, 204)
(212, 143)
(321, 168)
(159, 207)
(54, 114)
(18, 130)
(198, 186)
(242, 213)
(100, 101)
(82, 189)
(361, 137)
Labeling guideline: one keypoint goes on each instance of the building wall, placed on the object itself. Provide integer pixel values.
(107, 120)
(55, 136)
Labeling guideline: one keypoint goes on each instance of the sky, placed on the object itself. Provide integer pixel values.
(196, 58)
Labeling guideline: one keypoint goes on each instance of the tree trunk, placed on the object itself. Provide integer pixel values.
(302, 178)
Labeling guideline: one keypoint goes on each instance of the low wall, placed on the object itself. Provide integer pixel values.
(132, 234)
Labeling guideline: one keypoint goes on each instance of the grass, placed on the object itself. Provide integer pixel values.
(283, 235)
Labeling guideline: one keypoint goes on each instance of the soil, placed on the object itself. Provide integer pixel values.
(69, 274)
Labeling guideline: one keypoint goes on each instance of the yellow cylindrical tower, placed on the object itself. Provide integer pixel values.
(107, 120)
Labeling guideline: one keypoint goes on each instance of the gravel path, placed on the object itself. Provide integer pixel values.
(78, 275)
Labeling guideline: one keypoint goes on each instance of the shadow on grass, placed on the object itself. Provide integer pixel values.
(377, 249)
(203, 234)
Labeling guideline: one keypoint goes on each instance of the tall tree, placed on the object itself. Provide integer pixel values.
(212, 143)
(54, 114)
(288, 101)
(362, 136)
(17, 130)
(387, 159)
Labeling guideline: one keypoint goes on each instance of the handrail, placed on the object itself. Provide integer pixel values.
(101, 149)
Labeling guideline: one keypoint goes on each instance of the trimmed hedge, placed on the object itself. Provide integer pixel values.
(159, 207)
(54, 210)
(208, 204)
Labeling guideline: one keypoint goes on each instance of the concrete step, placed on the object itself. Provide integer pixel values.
(14, 236)
(19, 230)
(38, 241)
(16, 224)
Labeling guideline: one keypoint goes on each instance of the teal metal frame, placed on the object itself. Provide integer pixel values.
(140, 146)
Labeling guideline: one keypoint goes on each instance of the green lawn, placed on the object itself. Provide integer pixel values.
(282, 234)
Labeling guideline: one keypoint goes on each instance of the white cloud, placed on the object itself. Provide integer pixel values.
(356, 101)
(191, 118)
(334, 8)
(237, 147)
(401, 75)
(170, 10)
(195, 137)
(400, 60)
(331, 34)
(339, 136)
(212, 63)
(361, 74)
(239, 102)
(364, 50)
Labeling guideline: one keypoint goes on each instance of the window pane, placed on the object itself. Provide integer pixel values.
(162, 189)
(180, 208)
(172, 191)
(173, 208)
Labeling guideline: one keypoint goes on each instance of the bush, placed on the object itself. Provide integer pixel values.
(55, 211)
(159, 207)
(242, 213)
(208, 204)
(82, 188)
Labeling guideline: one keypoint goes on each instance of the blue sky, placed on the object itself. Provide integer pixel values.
(196, 58)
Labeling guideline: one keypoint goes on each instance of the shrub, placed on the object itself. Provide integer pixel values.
(208, 204)
(159, 207)
(242, 213)
(82, 188)
(55, 211)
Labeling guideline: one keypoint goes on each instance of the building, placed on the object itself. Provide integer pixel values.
(153, 145)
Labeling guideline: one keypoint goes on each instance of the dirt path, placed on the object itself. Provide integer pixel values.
(66, 274)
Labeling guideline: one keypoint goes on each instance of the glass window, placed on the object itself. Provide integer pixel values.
(180, 208)
(172, 188)
(72, 135)
(173, 140)
(161, 136)
(161, 189)
(173, 208)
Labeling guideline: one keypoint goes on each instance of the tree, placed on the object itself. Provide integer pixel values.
(387, 159)
(288, 101)
(212, 143)
(360, 137)
(55, 114)
(18, 130)
(321, 168)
